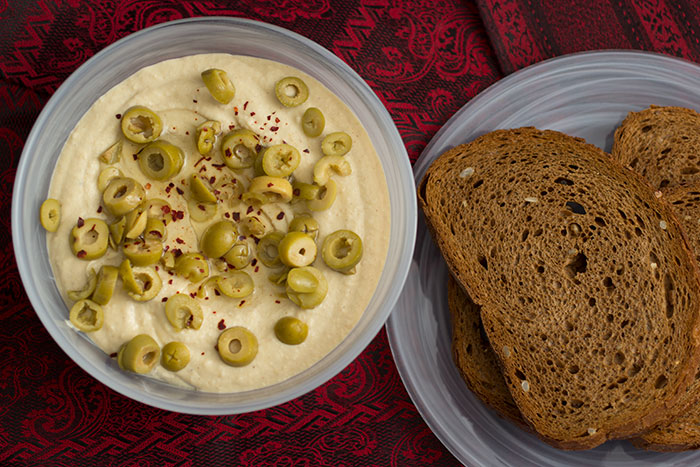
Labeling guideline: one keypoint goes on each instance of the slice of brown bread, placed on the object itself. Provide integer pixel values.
(662, 144)
(556, 242)
(474, 358)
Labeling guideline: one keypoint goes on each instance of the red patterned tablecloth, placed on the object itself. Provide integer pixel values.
(424, 60)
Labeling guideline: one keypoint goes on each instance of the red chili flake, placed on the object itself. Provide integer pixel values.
(280, 216)
(217, 349)
(180, 214)
(198, 161)
(187, 132)
(270, 184)
(306, 151)
(257, 268)
(194, 100)
(254, 262)
(277, 301)
(147, 186)
(259, 212)
(277, 120)
(235, 110)
(82, 254)
(212, 179)
(201, 207)
(296, 192)
(236, 216)
(167, 247)
(157, 268)
(165, 299)
(227, 215)
(192, 294)
(177, 252)
(214, 312)
(221, 325)
(218, 166)
(170, 281)
(217, 293)
(245, 106)
(135, 156)
(81, 222)
(252, 114)
(249, 210)
(202, 168)
(274, 128)
(171, 184)
(269, 117)
(241, 237)
(179, 240)
(255, 239)
(167, 189)
(216, 192)
(258, 148)
(201, 271)
(99, 209)
(119, 116)
(165, 209)
(179, 191)
(242, 302)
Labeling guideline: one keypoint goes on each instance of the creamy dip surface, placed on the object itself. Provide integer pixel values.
(175, 91)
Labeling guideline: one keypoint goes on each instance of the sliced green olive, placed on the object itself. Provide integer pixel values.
(253, 226)
(304, 191)
(218, 239)
(161, 160)
(87, 289)
(313, 122)
(135, 222)
(168, 260)
(236, 284)
(308, 300)
(297, 249)
(237, 346)
(207, 286)
(183, 312)
(280, 160)
(336, 144)
(107, 175)
(201, 190)
(116, 230)
(106, 281)
(238, 256)
(155, 230)
(159, 208)
(192, 266)
(140, 354)
(254, 198)
(201, 212)
(238, 149)
(113, 154)
(258, 163)
(291, 331)
(219, 85)
(89, 238)
(342, 250)
(149, 283)
(325, 197)
(86, 315)
(306, 224)
(328, 165)
(268, 249)
(126, 273)
(302, 280)
(291, 91)
(275, 188)
(50, 214)
(141, 125)
(142, 253)
(175, 357)
(122, 195)
(206, 136)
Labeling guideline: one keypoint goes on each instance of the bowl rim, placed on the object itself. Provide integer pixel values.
(328, 366)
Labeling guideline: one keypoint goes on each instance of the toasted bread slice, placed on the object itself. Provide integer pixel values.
(555, 241)
(662, 144)
(474, 357)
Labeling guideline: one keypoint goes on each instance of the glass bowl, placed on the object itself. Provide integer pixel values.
(172, 40)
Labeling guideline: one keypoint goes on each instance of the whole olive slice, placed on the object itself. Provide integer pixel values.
(183, 312)
(140, 354)
(141, 125)
(342, 250)
(239, 148)
(237, 346)
(304, 223)
(192, 266)
(297, 249)
(291, 91)
(149, 283)
(236, 284)
(268, 249)
(89, 238)
(86, 315)
(50, 214)
(122, 195)
(238, 256)
(308, 300)
(175, 356)
(336, 144)
(280, 160)
(313, 122)
(142, 253)
(161, 160)
(291, 331)
(219, 85)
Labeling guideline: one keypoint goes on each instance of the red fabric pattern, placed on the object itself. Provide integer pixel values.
(423, 59)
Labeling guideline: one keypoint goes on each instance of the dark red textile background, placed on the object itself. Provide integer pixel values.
(424, 60)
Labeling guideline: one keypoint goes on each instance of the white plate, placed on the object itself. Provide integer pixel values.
(585, 95)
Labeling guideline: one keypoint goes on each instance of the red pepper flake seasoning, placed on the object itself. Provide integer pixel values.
(249, 210)
(170, 282)
(277, 120)
(113, 355)
(296, 192)
(254, 262)
(242, 303)
(274, 128)
(82, 254)
(192, 294)
(179, 191)
(221, 325)
(280, 216)
(245, 106)
(157, 268)
(194, 100)
(81, 222)
(99, 209)
(270, 184)
(212, 179)
(219, 166)
(177, 252)
(147, 186)
(257, 268)
(227, 215)
(252, 114)
(214, 312)
(165, 299)
(269, 117)
(135, 156)
(199, 160)
(201, 271)
(235, 110)
(216, 350)
(119, 116)
(187, 132)
(167, 189)
(165, 209)
(241, 237)
(236, 216)
(277, 301)
(179, 240)
(202, 168)
(306, 151)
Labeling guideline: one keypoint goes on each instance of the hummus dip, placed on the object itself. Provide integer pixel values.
(175, 91)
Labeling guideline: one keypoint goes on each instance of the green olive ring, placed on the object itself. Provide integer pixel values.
(161, 160)
(336, 144)
(297, 249)
(236, 284)
(328, 165)
(342, 250)
(237, 346)
(291, 331)
(89, 238)
(306, 224)
(206, 136)
(201, 212)
(116, 231)
(106, 282)
(149, 283)
(183, 312)
(50, 214)
(192, 266)
(307, 300)
(175, 356)
(158, 208)
(86, 315)
(142, 253)
(268, 249)
(201, 190)
(275, 188)
(325, 197)
(219, 85)
(280, 160)
(135, 224)
(155, 230)
(126, 274)
(141, 125)
(139, 355)
(122, 195)
(313, 122)
(87, 289)
(238, 256)
(239, 149)
(304, 191)
(218, 239)
(106, 176)
(291, 91)
(302, 280)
